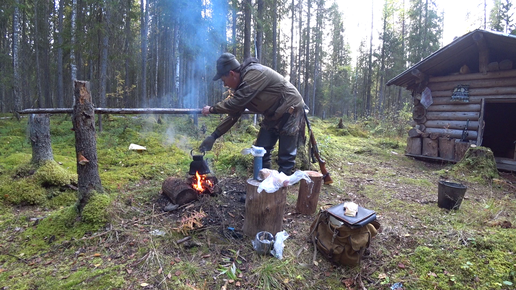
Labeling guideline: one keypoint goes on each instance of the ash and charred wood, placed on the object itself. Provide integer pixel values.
(128, 111)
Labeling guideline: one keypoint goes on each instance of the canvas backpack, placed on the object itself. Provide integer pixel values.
(342, 244)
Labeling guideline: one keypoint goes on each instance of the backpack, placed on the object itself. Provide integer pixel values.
(340, 239)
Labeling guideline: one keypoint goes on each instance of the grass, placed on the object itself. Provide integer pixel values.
(43, 243)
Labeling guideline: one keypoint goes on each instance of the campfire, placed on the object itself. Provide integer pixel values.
(181, 191)
(202, 183)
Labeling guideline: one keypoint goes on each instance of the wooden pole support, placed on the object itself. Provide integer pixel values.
(263, 211)
(309, 193)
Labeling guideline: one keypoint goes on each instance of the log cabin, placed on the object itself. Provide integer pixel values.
(464, 94)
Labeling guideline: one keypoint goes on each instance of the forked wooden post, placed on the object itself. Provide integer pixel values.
(263, 211)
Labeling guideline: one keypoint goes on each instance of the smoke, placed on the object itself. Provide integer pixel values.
(202, 35)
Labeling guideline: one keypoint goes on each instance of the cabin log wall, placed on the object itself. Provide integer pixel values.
(446, 118)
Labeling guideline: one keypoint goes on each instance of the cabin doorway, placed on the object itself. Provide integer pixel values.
(500, 128)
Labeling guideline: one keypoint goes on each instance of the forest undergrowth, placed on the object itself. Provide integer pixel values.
(136, 244)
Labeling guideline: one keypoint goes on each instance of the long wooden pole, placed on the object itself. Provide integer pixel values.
(157, 111)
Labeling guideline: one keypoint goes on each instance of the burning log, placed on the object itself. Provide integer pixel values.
(182, 191)
(178, 191)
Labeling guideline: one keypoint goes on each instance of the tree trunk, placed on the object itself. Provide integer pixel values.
(127, 32)
(39, 126)
(247, 28)
(275, 34)
(370, 67)
(259, 30)
(234, 24)
(292, 78)
(85, 144)
(73, 65)
(307, 55)
(39, 94)
(144, 18)
(60, 84)
(16, 68)
(300, 46)
(103, 61)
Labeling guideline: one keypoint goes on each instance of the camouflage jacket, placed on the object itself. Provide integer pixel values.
(264, 91)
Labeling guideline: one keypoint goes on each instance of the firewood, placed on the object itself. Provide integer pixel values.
(178, 191)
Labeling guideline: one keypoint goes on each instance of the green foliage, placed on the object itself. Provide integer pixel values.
(95, 212)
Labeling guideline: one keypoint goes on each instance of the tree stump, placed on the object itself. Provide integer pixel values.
(477, 162)
(85, 143)
(308, 195)
(263, 211)
(178, 191)
(39, 125)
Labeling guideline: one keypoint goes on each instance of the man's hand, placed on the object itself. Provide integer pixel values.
(205, 111)
(207, 144)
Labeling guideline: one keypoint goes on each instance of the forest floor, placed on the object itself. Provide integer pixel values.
(419, 245)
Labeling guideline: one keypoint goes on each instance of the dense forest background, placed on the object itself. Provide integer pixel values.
(162, 53)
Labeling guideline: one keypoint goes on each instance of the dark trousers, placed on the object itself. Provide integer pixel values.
(287, 149)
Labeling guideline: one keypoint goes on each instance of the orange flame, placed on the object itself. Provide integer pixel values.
(198, 185)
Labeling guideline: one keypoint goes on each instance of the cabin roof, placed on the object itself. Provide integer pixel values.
(462, 51)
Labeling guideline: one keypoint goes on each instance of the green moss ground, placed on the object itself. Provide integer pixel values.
(43, 243)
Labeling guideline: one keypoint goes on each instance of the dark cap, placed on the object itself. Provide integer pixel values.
(225, 63)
